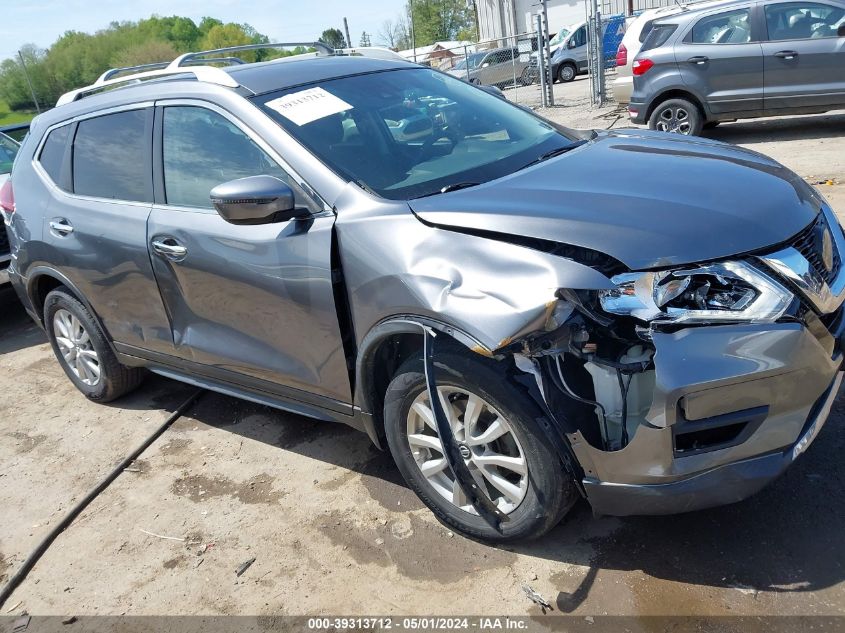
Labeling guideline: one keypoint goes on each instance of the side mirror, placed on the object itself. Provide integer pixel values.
(840, 32)
(255, 200)
(485, 64)
(571, 43)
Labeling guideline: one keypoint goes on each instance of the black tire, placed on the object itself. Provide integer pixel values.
(678, 116)
(527, 77)
(551, 492)
(114, 378)
(567, 72)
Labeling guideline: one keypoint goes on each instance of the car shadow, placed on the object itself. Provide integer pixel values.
(17, 330)
(787, 538)
(779, 129)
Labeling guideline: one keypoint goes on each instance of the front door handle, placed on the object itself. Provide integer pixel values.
(169, 248)
(787, 54)
(699, 59)
(61, 226)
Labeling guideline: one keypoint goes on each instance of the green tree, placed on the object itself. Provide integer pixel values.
(334, 38)
(440, 20)
(146, 53)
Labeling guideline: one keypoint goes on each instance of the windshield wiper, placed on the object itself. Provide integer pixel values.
(554, 152)
(451, 187)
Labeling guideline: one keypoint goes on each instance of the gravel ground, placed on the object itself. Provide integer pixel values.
(330, 525)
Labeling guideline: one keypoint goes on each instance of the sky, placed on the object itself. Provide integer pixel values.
(41, 22)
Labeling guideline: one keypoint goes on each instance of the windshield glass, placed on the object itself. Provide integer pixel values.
(8, 151)
(411, 132)
(558, 39)
(473, 60)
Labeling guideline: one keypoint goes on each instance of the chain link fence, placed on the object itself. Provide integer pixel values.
(512, 64)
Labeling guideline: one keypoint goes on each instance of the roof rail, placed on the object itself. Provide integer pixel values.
(195, 64)
(182, 60)
(208, 74)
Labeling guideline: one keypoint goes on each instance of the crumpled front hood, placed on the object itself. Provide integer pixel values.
(644, 198)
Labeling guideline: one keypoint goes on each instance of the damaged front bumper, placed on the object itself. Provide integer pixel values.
(733, 406)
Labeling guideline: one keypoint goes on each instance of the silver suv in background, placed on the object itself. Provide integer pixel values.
(740, 60)
(499, 67)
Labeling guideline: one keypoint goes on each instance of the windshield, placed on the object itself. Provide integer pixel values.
(8, 151)
(473, 60)
(411, 132)
(558, 39)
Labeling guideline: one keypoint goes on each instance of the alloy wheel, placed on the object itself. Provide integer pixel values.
(674, 119)
(488, 445)
(76, 347)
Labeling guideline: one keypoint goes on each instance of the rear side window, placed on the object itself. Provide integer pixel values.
(646, 30)
(658, 35)
(110, 157)
(53, 152)
(730, 27)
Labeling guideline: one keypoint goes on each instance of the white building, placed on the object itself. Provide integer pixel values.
(503, 18)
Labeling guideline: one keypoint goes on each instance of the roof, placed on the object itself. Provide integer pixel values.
(423, 52)
(286, 73)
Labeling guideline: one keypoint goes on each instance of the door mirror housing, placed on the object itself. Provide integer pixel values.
(256, 200)
(840, 32)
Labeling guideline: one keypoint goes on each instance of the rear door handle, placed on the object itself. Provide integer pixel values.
(698, 59)
(787, 54)
(169, 248)
(61, 226)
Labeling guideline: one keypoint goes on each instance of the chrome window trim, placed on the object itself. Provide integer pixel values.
(52, 186)
(793, 266)
(253, 136)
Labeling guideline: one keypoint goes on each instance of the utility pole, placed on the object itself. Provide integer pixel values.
(550, 93)
(29, 81)
(413, 33)
(346, 30)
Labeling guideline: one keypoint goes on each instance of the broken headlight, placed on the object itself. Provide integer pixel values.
(726, 291)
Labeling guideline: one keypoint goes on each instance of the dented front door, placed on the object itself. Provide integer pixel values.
(252, 304)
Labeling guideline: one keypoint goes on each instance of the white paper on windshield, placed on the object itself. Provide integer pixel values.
(309, 105)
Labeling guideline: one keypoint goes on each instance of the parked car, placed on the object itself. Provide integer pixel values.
(499, 67)
(571, 57)
(740, 60)
(8, 151)
(518, 331)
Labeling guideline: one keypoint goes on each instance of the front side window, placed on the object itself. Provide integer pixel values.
(410, 132)
(53, 152)
(730, 27)
(110, 153)
(579, 38)
(803, 20)
(202, 149)
(8, 151)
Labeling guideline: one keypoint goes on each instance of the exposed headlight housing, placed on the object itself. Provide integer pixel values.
(725, 291)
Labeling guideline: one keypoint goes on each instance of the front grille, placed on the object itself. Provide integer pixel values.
(809, 243)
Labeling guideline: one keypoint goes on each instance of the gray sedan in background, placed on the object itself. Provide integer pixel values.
(740, 60)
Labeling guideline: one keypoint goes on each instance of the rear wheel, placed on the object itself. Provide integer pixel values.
(677, 116)
(566, 72)
(500, 440)
(81, 349)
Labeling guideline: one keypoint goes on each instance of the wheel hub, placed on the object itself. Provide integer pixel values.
(486, 442)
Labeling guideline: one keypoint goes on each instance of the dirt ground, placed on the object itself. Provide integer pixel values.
(330, 525)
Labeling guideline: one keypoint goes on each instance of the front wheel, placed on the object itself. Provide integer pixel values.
(566, 72)
(82, 350)
(502, 444)
(677, 116)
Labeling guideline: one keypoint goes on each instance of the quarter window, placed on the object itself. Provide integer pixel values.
(109, 157)
(53, 152)
(202, 149)
(803, 20)
(730, 27)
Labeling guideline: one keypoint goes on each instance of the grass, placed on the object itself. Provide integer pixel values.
(8, 117)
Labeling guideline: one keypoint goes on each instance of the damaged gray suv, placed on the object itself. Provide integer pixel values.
(376, 243)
